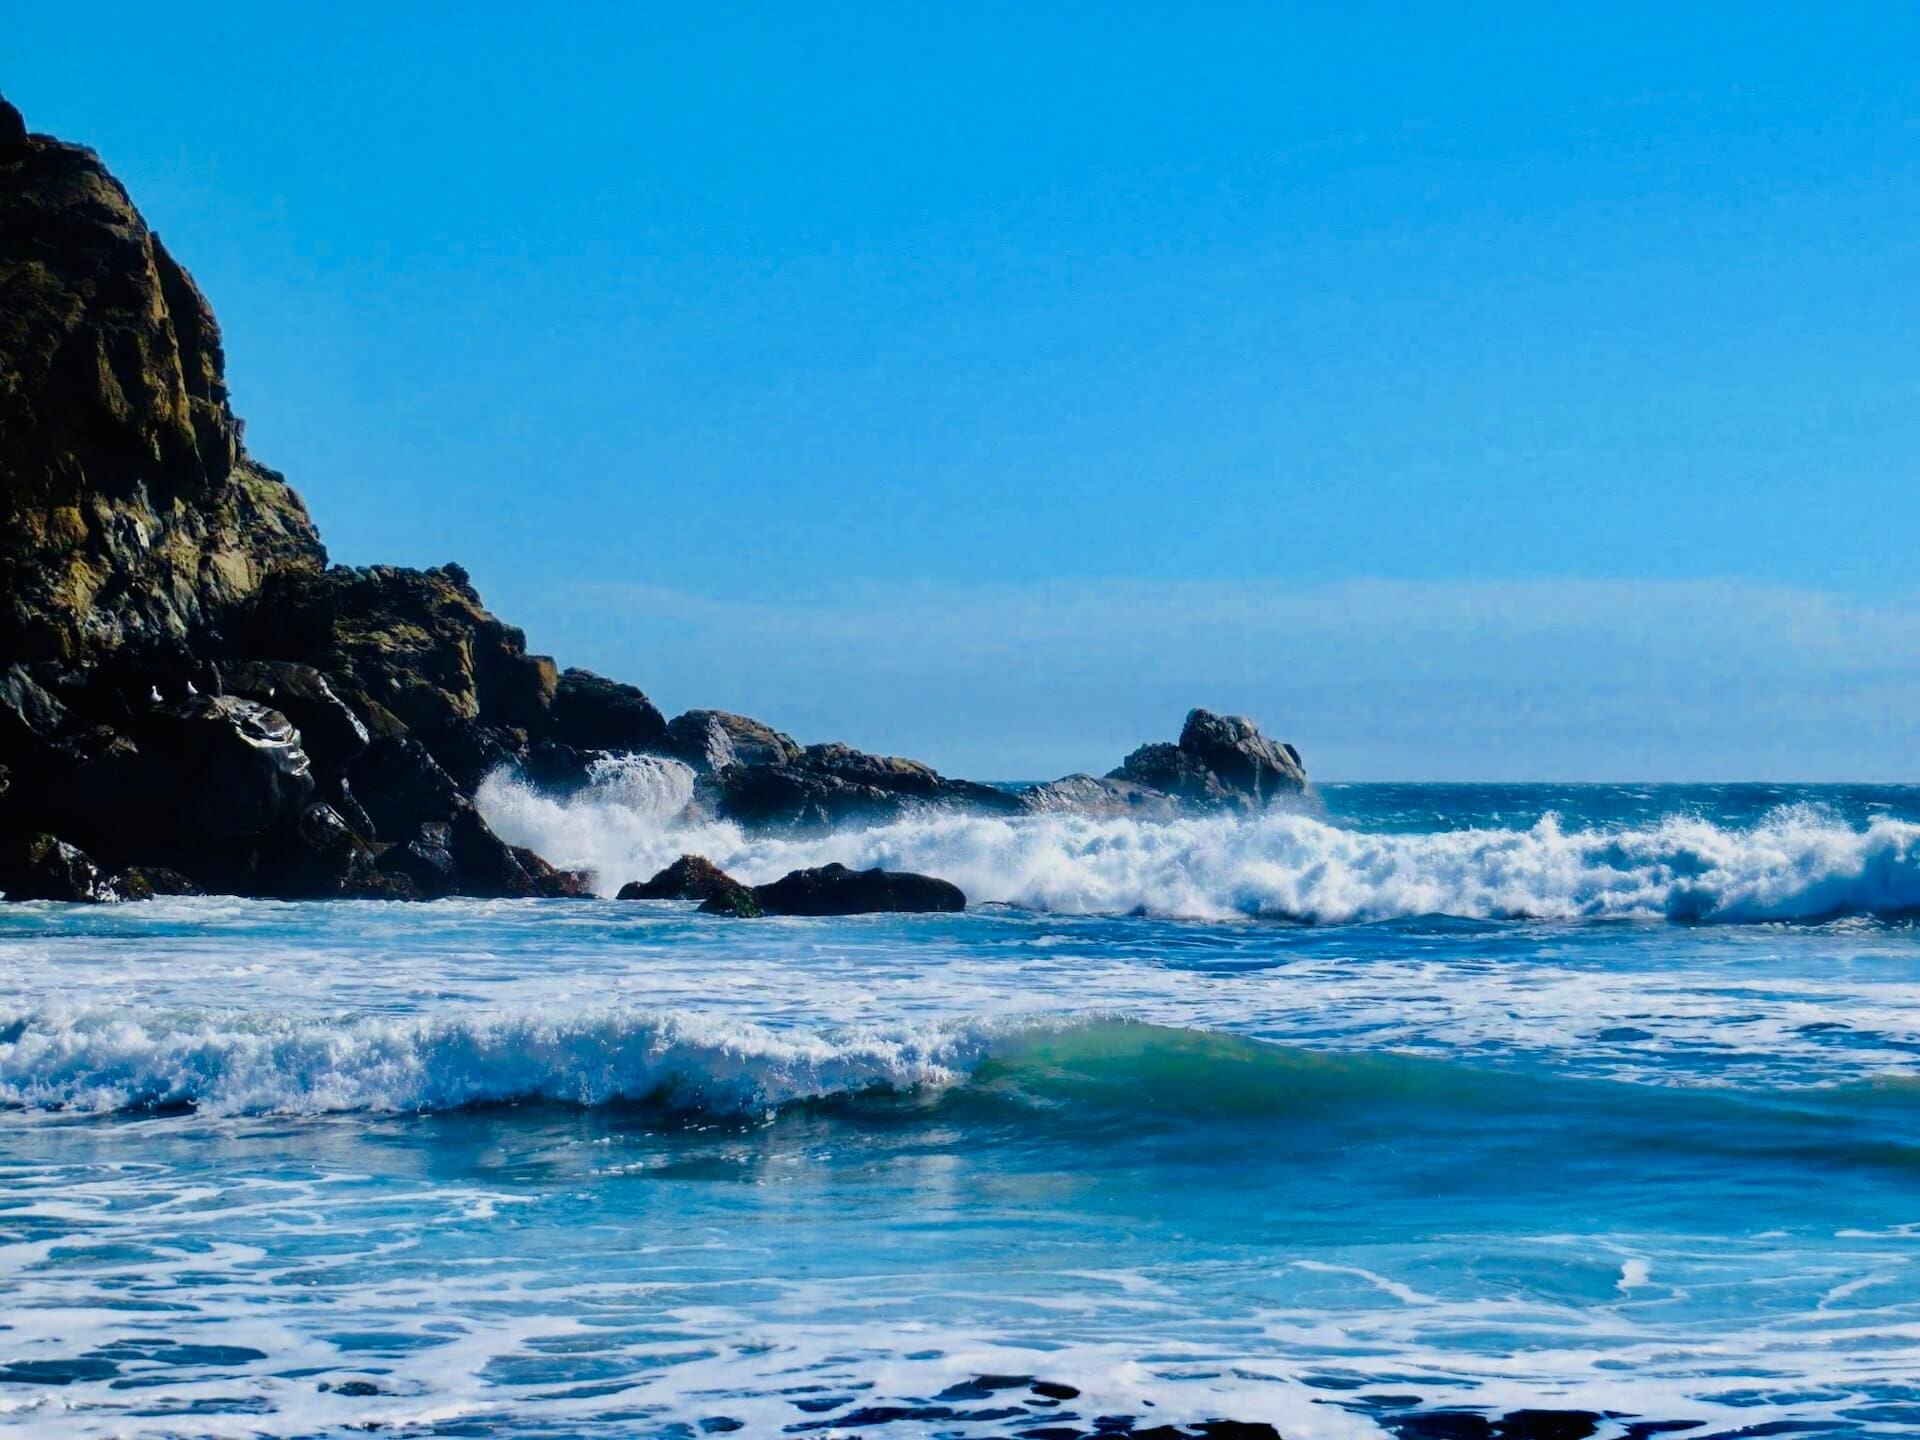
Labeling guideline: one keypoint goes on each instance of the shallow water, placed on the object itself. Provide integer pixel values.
(1575, 1099)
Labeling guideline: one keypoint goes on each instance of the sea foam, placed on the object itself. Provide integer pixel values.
(105, 1059)
(1797, 863)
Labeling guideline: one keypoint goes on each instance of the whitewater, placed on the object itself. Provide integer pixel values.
(1414, 1111)
(1791, 861)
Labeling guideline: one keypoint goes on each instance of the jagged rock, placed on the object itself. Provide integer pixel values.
(237, 765)
(1172, 771)
(591, 712)
(320, 857)
(710, 740)
(401, 787)
(1246, 762)
(738, 903)
(149, 882)
(129, 510)
(836, 890)
(551, 881)
(691, 877)
(1093, 795)
(424, 862)
(417, 644)
(339, 794)
(13, 131)
(40, 867)
(1221, 761)
(28, 712)
(470, 751)
(330, 733)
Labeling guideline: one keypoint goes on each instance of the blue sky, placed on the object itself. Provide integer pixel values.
(1463, 391)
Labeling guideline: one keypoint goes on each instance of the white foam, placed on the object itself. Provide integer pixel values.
(105, 1059)
(1799, 862)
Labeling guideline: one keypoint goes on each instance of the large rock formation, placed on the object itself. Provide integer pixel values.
(130, 512)
(191, 698)
(1220, 762)
(188, 685)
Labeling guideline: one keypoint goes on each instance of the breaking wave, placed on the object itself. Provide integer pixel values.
(235, 1063)
(1799, 862)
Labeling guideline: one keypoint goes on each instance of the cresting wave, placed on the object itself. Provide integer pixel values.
(227, 1063)
(1078, 1078)
(1799, 862)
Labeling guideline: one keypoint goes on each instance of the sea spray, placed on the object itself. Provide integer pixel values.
(1796, 862)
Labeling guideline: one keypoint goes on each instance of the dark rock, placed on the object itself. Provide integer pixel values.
(330, 733)
(13, 131)
(551, 881)
(557, 767)
(831, 784)
(129, 509)
(739, 902)
(1247, 762)
(591, 712)
(416, 644)
(237, 765)
(149, 882)
(487, 867)
(484, 864)
(401, 786)
(469, 751)
(711, 740)
(1172, 771)
(28, 712)
(836, 890)
(691, 877)
(1221, 761)
(39, 867)
(339, 794)
(424, 862)
(319, 858)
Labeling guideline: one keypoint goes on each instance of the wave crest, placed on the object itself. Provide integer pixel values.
(105, 1060)
(1798, 863)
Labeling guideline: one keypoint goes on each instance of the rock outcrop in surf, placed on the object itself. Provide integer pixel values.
(192, 698)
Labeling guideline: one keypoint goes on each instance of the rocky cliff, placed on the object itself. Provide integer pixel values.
(192, 699)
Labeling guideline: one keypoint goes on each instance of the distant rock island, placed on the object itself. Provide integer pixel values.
(193, 700)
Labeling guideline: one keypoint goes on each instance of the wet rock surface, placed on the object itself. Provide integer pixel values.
(837, 890)
(691, 877)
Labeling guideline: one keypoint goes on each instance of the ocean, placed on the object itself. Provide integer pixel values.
(1414, 1110)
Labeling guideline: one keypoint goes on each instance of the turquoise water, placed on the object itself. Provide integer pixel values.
(1423, 1105)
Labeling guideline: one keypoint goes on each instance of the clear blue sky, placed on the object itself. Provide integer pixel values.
(1464, 390)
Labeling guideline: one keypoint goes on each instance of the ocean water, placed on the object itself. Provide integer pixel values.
(1416, 1110)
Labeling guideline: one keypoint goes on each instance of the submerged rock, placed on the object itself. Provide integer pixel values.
(691, 877)
(837, 890)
